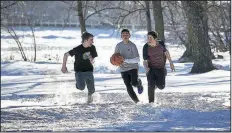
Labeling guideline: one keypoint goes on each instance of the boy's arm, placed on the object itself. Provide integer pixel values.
(116, 50)
(133, 60)
(94, 54)
(145, 64)
(65, 58)
(170, 60)
(145, 57)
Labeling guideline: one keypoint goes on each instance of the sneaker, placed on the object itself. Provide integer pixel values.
(90, 99)
(140, 86)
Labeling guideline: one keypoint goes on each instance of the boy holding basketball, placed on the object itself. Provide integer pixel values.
(129, 67)
(84, 58)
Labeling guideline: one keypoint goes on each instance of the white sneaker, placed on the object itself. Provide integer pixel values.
(90, 99)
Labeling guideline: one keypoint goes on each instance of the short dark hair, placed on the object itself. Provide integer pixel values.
(86, 36)
(153, 34)
(125, 30)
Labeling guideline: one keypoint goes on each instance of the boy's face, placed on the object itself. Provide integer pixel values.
(150, 39)
(125, 36)
(89, 41)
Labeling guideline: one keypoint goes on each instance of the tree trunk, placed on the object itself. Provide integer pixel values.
(197, 18)
(33, 33)
(81, 18)
(32, 26)
(158, 18)
(229, 41)
(148, 16)
(229, 33)
(188, 54)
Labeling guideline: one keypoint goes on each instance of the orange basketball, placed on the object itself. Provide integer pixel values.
(116, 59)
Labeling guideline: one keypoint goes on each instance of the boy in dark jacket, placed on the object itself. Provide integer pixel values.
(155, 55)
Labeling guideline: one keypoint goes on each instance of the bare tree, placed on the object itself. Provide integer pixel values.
(5, 11)
(13, 34)
(181, 28)
(219, 22)
(5, 5)
(118, 12)
(29, 17)
(176, 20)
(197, 17)
(110, 13)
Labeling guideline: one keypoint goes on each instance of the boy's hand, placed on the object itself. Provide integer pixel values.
(64, 69)
(91, 59)
(172, 66)
(147, 69)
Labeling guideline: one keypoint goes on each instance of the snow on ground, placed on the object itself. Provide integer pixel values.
(36, 96)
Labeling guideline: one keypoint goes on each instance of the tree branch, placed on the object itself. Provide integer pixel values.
(9, 5)
(111, 8)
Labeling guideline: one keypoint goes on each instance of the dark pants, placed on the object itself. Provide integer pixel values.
(83, 78)
(155, 78)
(130, 79)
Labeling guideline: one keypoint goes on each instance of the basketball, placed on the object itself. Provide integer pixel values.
(116, 59)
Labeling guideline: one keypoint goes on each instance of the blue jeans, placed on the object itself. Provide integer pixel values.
(83, 78)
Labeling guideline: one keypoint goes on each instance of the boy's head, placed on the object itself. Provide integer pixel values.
(153, 34)
(152, 37)
(125, 34)
(87, 38)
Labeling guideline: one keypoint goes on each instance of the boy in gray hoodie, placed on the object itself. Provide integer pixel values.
(129, 68)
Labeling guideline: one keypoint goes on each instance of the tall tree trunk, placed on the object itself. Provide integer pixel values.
(148, 16)
(81, 18)
(188, 54)
(158, 18)
(197, 17)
